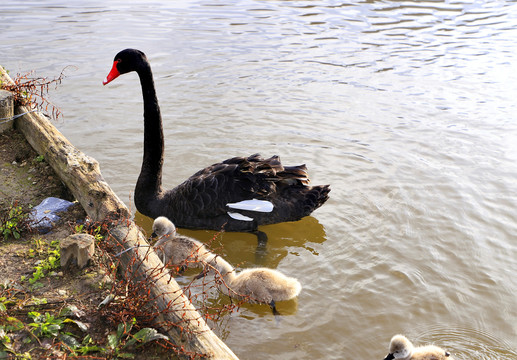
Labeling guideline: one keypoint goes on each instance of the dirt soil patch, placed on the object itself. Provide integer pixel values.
(25, 180)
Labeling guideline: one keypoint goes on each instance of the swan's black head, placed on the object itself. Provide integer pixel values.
(126, 61)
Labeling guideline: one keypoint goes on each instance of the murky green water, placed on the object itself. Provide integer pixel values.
(406, 108)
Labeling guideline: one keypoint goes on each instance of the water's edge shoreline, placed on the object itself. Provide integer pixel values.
(81, 175)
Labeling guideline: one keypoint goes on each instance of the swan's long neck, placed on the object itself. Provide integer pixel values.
(150, 180)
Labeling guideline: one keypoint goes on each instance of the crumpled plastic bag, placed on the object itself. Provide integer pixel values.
(43, 216)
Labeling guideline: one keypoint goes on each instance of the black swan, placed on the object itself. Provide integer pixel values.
(238, 194)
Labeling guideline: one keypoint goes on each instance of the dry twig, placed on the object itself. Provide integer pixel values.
(32, 91)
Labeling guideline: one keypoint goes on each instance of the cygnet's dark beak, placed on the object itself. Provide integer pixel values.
(153, 236)
(447, 354)
(389, 357)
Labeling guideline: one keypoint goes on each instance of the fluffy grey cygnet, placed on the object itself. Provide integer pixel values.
(402, 349)
(174, 249)
(258, 285)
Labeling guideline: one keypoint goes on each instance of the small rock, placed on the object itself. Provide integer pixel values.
(62, 292)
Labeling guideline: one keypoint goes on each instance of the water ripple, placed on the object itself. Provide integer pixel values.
(467, 343)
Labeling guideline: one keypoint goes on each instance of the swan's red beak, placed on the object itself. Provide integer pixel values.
(114, 73)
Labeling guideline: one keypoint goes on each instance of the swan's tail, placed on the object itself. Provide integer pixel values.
(316, 197)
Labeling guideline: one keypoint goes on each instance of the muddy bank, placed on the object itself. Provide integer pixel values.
(25, 176)
(26, 179)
